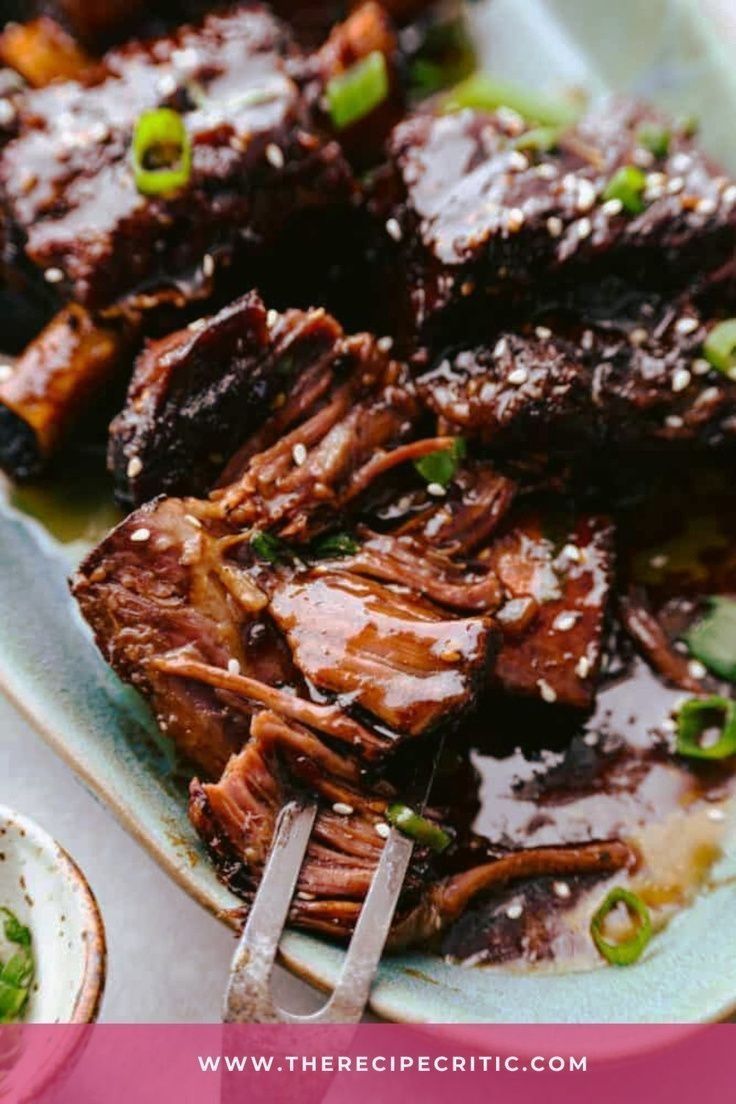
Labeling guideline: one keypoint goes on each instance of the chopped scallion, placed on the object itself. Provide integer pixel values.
(719, 347)
(161, 151)
(627, 185)
(334, 544)
(355, 93)
(622, 952)
(654, 138)
(712, 638)
(706, 728)
(539, 138)
(418, 827)
(485, 93)
(440, 467)
(16, 975)
(268, 547)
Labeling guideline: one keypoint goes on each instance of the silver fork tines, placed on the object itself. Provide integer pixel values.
(248, 997)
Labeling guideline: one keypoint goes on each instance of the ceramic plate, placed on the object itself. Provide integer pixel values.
(666, 50)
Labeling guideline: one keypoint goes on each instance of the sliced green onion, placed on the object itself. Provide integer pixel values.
(334, 544)
(355, 93)
(654, 138)
(627, 185)
(418, 827)
(712, 639)
(706, 728)
(445, 56)
(625, 951)
(719, 347)
(440, 467)
(162, 152)
(539, 138)
(485, 93)
(268, 547)
(16, 975)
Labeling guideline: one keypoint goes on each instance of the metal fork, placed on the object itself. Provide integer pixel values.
(248, 998)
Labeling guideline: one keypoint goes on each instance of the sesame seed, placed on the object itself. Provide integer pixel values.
(680, 379)
(659, 561)
(135, 467)
(393, 229)
(515, 219)
(517, 161)
(272, 317)
(638, 336)
(197, 325)
(193, 521)
(382, 829)
(697, 669)
(140, 535)
(674, 421)
(6, 371)
(53, 275)
(582, 667)
(166, 85)
(514, 912)
(208, 265)
(385, 344)
(304, 896)
(590, 739)
(7, 113)
(554, 226)
(584, 228)
(711, 394)
(572, 552)
(587, 340)
(729, 195)
(612, 207)
(675, 185)
(586, 196)
(342, 809)
(548, 693)
(686, 325)
(233, 667)
(716, 814)
(518, 376)
(274, 155)
(700, 366)
(706, 206)
(668, 725)
(643, 157)
(437, 490)
(299, 454)
(561, 890)
(546, 170)
(543, 333)
(500, 347)
(565, 621)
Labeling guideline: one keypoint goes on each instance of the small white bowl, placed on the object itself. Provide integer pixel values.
(47, 892)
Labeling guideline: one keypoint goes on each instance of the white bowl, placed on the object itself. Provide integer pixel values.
(47, 892)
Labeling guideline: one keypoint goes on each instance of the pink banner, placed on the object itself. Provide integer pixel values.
(369, 1064)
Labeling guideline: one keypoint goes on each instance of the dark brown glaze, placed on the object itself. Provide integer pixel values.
(472, 213)
(58, 378)
(197, 394)
(557, 581)
(68, 180)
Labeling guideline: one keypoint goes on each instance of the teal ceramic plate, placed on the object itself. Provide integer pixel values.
(668, 50)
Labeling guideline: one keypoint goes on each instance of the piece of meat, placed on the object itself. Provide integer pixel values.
(236, 818)
(474, 216)
(557, 577)
(68, 180)
(42, 52)
(53, 384)
(197, 394)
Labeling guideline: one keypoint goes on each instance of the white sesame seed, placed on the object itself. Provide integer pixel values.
(514, 220)
(135, 467)
(680, 379)
(587, 340)
(509, 119)
(706, 206)
(166, 85)
(590, 739)
(638, 336)
(500, 347)
(565, 621)
(729, 195)
(543, 333)
(586, 196)
(561, 890)
(7, 113)
(554, 226)
(233, 667)
(382, 829)
(193, 521)
(686, 325)
(572, 552)
(517, 161)
(208, 265)
(584, 228)
(582, 667)
(518, 376)
(53, 275)
(274, 155)
(612, 207)
(659, 561)
(668, 725)
(514, 912)
(546, 171)
(6, 371)
(674, 421)
(304, 896)
(342, 809)
(197, 325)
(681, 162)
(711, 394)
(548, 693)
(697, 669)
(437, 490)
(385, 344)
(272, 317)
(299, 454)
(716, 814)
(140, 535)
(675, 185)
(393, 229)
(700, 367)
(643, 157)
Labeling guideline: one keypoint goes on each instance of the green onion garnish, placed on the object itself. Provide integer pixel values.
(654, 138)
(418, 827)
(706, 728)
(445, 56)
(485, 93)
(626, 951)
(712, 639)
(627, 185)
(719, 347)
(539, 138)
(440, 467)
(162, 152)
(16, 975)
(334, 544)
(355, 93)
(268, 547)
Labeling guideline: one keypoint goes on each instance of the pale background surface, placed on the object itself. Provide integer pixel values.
(167, 958)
